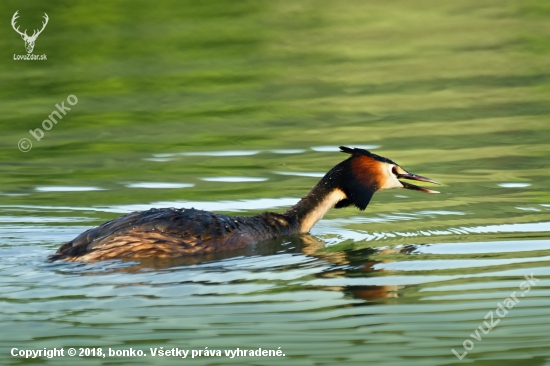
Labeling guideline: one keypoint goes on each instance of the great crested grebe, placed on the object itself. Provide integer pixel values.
(170, 232)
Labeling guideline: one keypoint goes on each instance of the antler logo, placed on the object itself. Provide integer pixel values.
(29, 41)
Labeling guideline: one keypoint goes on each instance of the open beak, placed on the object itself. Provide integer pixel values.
(420, 178)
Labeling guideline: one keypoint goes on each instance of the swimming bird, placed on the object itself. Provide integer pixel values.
(171, 232)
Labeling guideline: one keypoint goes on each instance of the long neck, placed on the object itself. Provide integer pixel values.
(314, 205)
(339, 187)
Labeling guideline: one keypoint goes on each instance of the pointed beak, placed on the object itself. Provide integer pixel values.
(420, 178)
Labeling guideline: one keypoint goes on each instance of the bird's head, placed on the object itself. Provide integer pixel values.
(365, 173)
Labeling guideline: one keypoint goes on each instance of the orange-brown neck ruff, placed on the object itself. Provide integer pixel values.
(352, 182)
(368, 172)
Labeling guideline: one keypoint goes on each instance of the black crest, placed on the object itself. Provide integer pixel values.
(356, 152)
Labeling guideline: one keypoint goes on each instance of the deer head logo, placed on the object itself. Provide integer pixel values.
(29, 41)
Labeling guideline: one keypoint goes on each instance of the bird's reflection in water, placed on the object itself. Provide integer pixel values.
(342, 264)
(356, 263)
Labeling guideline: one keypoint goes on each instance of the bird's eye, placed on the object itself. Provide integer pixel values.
(394, 170)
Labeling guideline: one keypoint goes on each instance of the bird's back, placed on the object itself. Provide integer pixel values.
(171, 232)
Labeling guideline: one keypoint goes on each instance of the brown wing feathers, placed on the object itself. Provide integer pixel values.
(169, 233)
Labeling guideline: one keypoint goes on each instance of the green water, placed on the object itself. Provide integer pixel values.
(238, 107)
